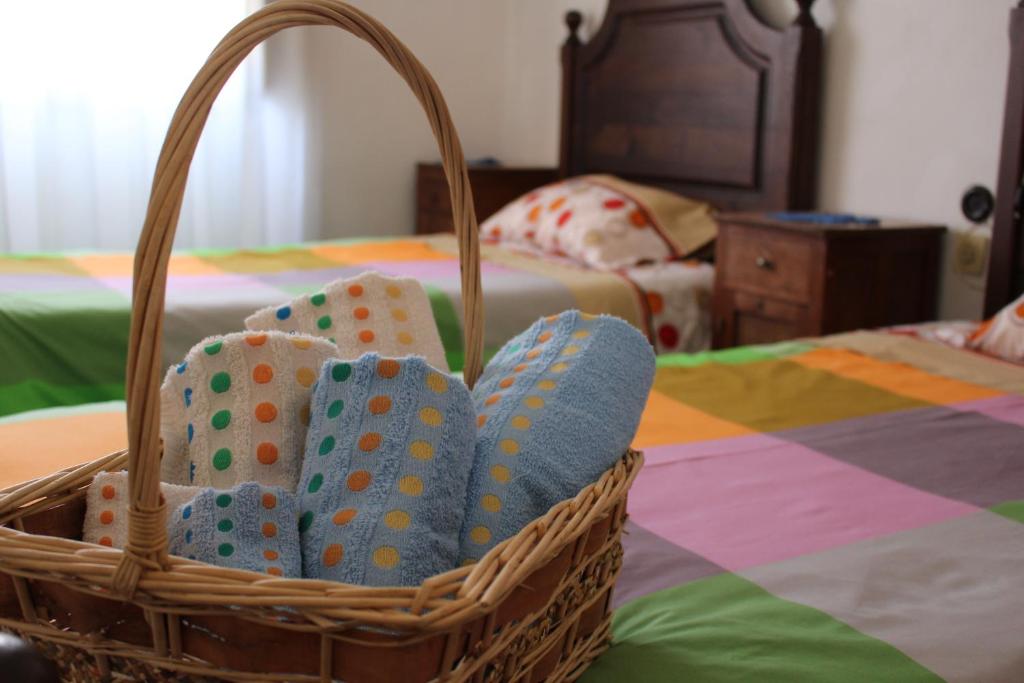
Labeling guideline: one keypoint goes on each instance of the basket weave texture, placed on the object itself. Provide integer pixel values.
(535, 608)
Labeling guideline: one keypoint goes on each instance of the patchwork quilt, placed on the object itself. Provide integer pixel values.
(849, 509)
(64, 317)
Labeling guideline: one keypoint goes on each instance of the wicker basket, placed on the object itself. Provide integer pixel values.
(534, 608)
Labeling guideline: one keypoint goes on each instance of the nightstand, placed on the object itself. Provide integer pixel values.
(778, 280)
(493, 188)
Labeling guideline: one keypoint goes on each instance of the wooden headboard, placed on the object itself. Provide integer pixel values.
(696, 96)
(1006, 259)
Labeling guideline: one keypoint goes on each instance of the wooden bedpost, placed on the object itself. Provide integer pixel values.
(573, 20)
(807, 105)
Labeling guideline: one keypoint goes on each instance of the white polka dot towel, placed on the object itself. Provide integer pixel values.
(370, 312)
(106, 507)
(383, 484)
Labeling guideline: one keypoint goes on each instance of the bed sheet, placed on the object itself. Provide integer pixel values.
(64, 317)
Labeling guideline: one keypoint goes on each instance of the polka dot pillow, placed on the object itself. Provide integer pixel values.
(370, 312)
(1003, 335)
(604, 223)
(236, 409)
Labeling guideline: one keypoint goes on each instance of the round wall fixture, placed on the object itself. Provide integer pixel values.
(977, 204)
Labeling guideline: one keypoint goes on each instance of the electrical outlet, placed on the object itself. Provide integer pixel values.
(970, 248)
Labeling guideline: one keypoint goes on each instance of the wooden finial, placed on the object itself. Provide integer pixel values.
(573, 19)
(804, 18)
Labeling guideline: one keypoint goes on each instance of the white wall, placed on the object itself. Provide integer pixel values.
(912, 115)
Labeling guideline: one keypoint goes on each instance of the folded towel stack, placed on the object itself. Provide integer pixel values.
(384, 480)
(106, 505)
(556, 407)
(250, 527)
(370, 312)
(236, 409)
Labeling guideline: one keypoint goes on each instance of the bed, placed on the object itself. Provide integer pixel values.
(732, 122)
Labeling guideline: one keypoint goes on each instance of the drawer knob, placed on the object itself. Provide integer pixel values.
(764, 263)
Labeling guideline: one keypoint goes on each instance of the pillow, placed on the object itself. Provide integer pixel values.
(604, 222)
(1003, 335)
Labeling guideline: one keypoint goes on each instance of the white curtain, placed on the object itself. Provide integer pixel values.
(87, 90)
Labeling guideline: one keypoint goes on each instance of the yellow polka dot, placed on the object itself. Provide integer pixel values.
(305, 376)
(397, 519)
(437, 383)
(410, 485)
(535, 402)
(399, 314)
(480, 535)
(431, 417)
(559, 367)
(546, 384)
(302, 344)
(580, 334)
(570, 350)
(501, 474)
(421, 450)
(385, 557)
(521, 422)
(491, 503)
(394, 291)
(405, 338)
(510, 446)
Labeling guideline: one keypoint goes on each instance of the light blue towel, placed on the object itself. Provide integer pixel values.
(383, 484)
(557, 406)
(250, 527)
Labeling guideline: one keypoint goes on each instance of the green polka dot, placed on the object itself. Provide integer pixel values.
(332, 340)
(318, 299)
(225, 525)
(324, 322)
(341, 372)
(223, 500)
(305, 521)
(225, 550)
(221, 419)
(214, 348)
(220, 382)
(327, 445)
(222, 459)
(335, 409)
(316, 482)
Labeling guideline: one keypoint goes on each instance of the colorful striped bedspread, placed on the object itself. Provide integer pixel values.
(849, 510)
(64, 318)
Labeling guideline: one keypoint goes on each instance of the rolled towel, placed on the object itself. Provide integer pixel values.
(106, 507)
(384, 480)
(556, 407)
(236, 409)
(370, 312)
(250, 527)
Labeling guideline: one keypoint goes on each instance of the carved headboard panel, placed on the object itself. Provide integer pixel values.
(696, 96)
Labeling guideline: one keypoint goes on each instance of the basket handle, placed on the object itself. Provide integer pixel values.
(147, 537)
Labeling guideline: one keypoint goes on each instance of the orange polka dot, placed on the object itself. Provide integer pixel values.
(107, 516)
(369, 442)
(532, 353)
(366, 336)
(550, 319)
(256, 339)
(557, 204)
(275, 571)
(534, 214)
(343, 517)
(305, 376)
(492, 399)
(270, 555)
(262, 373)
(355, 290)
(266, 412)
(333, 554)
(388, 368)
(520, 367)
(269, 501)
(378, 405)
(358, 480)
(1020, 310)
(269, 529)
(361, 313)
(108, 492)
(638, 219)
(480, 420)
(656, 302)
(544, 336)
(107, 541)
(507, 382)
(266, 453)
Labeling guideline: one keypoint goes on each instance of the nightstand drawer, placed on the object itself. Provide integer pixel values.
(434, 196)
(768, 308)
(769, 263)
